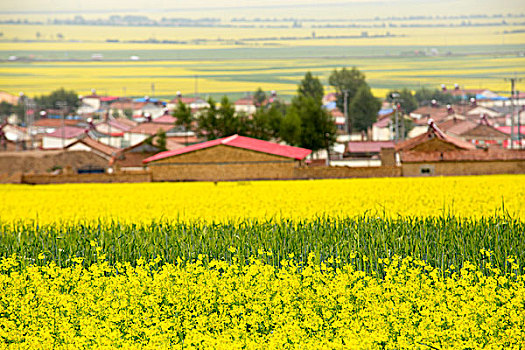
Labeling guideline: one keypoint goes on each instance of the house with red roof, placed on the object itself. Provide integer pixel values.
(62, 137)
(437, 153)
(194, 103)
(245, 105)
(229, 158)
(91, 145)
(143, 131)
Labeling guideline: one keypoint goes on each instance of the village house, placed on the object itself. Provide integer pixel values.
(479, 133)
(194, 103)
(130, 158)
(89, 144)
(436, 153)
(143, 131)
(47, 125)
(230, 158)
(61, 137)
(245, 105)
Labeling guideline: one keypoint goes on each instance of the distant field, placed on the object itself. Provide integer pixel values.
(473, 57)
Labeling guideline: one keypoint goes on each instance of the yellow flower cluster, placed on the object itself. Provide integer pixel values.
(133, 203)
(214, 304)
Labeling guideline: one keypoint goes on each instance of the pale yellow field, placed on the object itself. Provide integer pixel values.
(440, 36)
(235, 73)
(232, 75)
(462, 196)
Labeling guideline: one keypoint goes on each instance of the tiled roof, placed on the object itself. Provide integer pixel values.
(126, 121)
(239, 142)
(98, 146)
(185, 100)
(165, 119)
(506, 130)
(457, 126)
(245, 101)
(184, 139)
(150, 128)
(433, 131)
(463, 155)
(67, 132)
(382, 123)
(55, 123)
(368, 146)
(336, 113)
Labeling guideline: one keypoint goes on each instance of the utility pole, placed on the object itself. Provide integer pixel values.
(345, 107)
(62, 105)
(513, 81)
(519, 118)
(395, 97)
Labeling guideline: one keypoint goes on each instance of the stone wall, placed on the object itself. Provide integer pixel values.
(224, 171)
(464, 168)
(40, 179)
(341, 172)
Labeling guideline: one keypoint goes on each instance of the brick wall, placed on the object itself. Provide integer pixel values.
(39, 179)
(341, 172)
(465, 168)
(220, 154)
(388, 156)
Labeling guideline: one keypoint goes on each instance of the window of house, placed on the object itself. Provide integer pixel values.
(426, 170)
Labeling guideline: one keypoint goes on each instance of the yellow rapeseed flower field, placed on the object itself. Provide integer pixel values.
(461, 196)
(258, 306)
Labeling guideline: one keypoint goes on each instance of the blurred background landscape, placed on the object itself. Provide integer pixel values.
(212, 48)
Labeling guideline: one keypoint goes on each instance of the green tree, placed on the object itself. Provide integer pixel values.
(266, 123)
(307, 124)
(311, 86)
(424, 96)
(160, 140)
(347, 83)
(291, 128)
(363, 109)
(219, 122)
(259, 97)
(347, 80)
(184, 118)
(50, 101)
(6, 109)
(228, 123)
(208, 121)
(128, 113)
(406, 99)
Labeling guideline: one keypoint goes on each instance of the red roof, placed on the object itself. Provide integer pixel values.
(150, 128)
(506, 129)
(67, 132)
(165, 119)
(96, 145)
(368, 146)
(55, 123)
(239, 142)
(382, 123)
(109, 98)
(245, 101)
(185, 100)
(433, 131)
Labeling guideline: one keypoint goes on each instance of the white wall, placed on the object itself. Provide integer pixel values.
(49, 142)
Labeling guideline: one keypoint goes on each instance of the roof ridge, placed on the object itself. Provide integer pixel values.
(229, 138)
